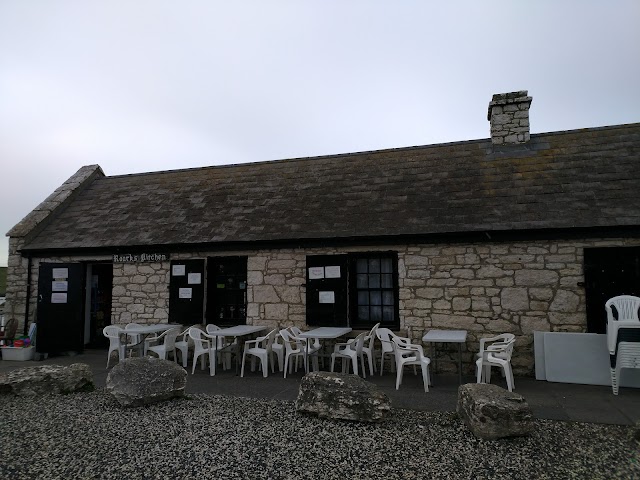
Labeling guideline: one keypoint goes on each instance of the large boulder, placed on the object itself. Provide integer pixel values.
(491, 412)
(47, 379)
(142, 381)
(341, 396)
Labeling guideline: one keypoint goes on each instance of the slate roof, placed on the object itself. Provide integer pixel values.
(573, 179)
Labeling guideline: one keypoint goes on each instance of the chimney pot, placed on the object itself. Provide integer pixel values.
(509, 117)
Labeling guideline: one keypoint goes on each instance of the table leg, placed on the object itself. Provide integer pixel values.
(460, 363)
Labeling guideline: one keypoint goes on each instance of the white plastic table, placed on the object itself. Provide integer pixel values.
(144, 331)
(446, 336)
(324, 333)
(235, 332)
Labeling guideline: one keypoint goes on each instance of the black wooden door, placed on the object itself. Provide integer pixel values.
(186, 292)
(608, 272)
(327, 290)
(60, 313)
(227, 291)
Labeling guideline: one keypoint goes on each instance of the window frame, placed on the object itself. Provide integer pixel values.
(354, 290)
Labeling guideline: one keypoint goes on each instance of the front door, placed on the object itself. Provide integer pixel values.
(59, 317)
(327, 290)
(186, 292)
(608, 272)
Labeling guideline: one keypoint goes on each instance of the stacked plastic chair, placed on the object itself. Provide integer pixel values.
(623, 335)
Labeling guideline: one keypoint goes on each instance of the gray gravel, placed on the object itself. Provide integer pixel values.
(87, 435)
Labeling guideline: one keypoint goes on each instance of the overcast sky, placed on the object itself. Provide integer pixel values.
(139, 86)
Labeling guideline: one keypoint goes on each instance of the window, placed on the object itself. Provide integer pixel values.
(356, 290)
(373, 290)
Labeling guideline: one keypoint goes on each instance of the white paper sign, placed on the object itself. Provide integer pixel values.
(332, 272)
(316, 272)
(178, 271)
(60, 273)
(184, 293)
(194, 278)
(327, 297)
(59, 286)
(58, 298)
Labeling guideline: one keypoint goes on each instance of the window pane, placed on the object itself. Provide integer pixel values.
(376, 314)
(363, 313)
(387, 281)
(374, 265)
(362, 265)
(362, 281)
(387, 266)
(374, 281)
(387, 298)
(363, 298)
(376, 298)
(387, 314)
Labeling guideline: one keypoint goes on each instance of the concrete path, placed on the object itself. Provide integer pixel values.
(557, 401)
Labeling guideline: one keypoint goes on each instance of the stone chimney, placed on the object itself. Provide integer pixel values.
(509, 117)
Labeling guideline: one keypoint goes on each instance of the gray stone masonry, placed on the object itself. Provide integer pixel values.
(484, 288)
(509, 117)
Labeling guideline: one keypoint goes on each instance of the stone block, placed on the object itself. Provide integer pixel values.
(515, 299)
(47, 379)
(136, 382)
(341, 396)
(491, 412)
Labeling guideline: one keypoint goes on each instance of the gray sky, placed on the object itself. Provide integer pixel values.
(145, 85)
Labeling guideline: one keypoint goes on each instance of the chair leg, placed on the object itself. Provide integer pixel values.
(399, 377)
(479, 370)
(333, 361)
(244, 356)
(425, 376)
(265, 368)
(508, 374)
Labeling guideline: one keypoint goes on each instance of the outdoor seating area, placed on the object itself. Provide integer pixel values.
(290, 349)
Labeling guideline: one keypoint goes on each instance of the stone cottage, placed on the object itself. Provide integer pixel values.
(515, 233)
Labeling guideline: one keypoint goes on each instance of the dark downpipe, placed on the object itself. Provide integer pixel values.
(26, 310)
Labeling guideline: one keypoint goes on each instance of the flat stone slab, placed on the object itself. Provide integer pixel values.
(341, 396)
(134, 382)
(47, 379)
(491, 412)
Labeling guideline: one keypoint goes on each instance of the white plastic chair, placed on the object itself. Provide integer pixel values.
(407, 353)
(201, 347)
(113, 332)
(498, 354)
(135, 340)
(259, 348)
(168, 345)
(385, 336)
(219, 343)
(277, 347)
(314, 342)
(350, 350)
(295, 347)
(368, 348)
(623, 340)
(182, 346)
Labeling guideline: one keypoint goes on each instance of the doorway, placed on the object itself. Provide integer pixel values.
(608, 272)
(98, 308)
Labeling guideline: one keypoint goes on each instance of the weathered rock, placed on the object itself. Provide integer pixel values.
(635, 432)
(491, 412)
(142, 381)
(47, 379)
(341, 396)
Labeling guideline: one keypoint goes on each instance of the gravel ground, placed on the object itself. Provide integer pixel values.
(87, 435)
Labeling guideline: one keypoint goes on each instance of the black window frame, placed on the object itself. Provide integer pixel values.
(357, 289)
(232, 294)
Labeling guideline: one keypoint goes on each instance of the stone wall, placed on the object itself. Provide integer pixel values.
(140, 293)
(484, 288)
